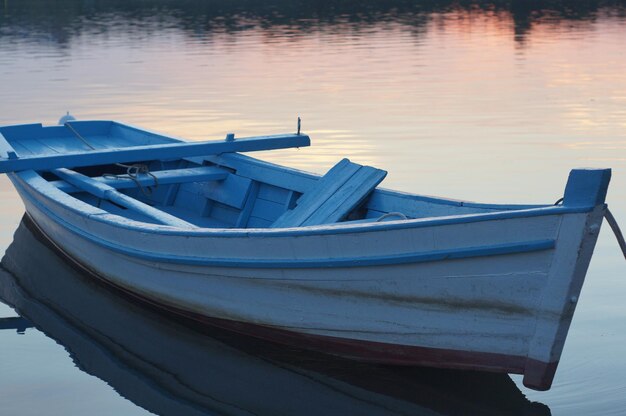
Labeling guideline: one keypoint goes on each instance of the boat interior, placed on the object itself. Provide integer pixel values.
(214, 190)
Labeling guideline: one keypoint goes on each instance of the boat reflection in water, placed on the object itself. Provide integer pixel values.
(177, 368)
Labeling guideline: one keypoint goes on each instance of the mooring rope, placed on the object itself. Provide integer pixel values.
(614, 226)
(616, 230)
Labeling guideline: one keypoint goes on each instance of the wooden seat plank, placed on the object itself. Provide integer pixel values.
(348, 197)
(334, 195)
(163, 177)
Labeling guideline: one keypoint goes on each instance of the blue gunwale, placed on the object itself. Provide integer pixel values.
(26, 179)
(584, 191)
(350, 262)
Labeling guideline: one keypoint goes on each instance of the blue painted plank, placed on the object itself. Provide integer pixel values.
(333, 197)
(224, 213)
(192, 201)
(30, 147)
(273, 193)
(301, 181)
(330, 183)
(118, 210)
(21, 150)
(325, 187)
(267, 210)
(244, 215)
(104, 191)
(6, 150)
(150, 152)
(137, 135)
(348, 197)
(256, 222)
(183, 212)
(84, 128)
(586, 187)
(265, 172)
(24, 131)
(351, 262)
(164, 177)
(232, 191)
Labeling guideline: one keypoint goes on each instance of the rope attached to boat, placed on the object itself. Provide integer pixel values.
(132, 171)
(391, 214)
(77, 134)
(616, 230)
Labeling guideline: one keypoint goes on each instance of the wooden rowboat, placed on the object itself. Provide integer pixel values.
(328, 263)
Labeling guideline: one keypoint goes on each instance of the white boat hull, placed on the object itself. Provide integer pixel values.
(493, 294)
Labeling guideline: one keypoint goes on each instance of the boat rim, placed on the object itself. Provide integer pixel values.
(22, 181)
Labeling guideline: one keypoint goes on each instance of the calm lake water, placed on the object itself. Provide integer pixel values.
(493, 102)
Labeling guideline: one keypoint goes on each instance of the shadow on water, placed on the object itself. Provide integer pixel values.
(59, 22)
(168, 367)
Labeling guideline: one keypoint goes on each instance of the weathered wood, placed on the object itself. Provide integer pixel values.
(163, 177)
(104, 191)
(334, 196)
(491, 290)
(348, 197)
(151, 152)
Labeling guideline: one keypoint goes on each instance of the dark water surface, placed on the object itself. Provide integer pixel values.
(493, 102)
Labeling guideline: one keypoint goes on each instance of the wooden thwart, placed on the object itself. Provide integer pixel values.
(107, 192)
(163, 177)
(334, 195)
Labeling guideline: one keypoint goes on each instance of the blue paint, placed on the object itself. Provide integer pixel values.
(6, 150)
(586, 187)
(300, 181)
(244, 215)
(104, 191)
(334, 195)
(430, 256)
(268, 210)
(147, 146)
(264, 172)
(348, 197)
(164, 177)
(228, 203)
(232, 191)
(21, 181)
(405, 258)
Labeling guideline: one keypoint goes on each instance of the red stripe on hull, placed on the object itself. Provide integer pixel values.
(538, 375)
